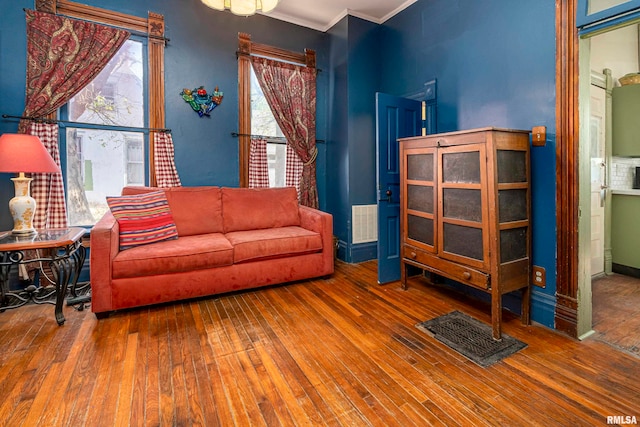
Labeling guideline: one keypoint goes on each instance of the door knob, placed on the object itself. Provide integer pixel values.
(386, 197)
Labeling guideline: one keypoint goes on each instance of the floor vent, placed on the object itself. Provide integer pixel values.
(365, 223)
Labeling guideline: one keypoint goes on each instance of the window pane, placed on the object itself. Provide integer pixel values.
(262, 120)
(99, 164)
(116, 96)
(264, 123)
(277, 162)
(600, 5)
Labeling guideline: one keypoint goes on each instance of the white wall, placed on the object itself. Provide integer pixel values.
(616, 50)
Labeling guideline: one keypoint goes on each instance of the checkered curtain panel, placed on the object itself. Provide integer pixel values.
(258, 167)
(294, 166)
(164, 154)
(48, 188)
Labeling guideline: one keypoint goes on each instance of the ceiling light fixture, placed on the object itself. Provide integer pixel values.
(242, 7)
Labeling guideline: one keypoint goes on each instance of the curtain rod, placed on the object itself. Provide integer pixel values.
(275, 138)
(319, 70)
(91, 125)
(135, 32)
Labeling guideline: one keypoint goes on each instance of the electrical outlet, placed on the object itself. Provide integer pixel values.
(539, 276)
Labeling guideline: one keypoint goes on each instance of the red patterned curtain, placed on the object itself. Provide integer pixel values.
(63, 56)
(164, 155)
(47, 188)
(290, 91)
(258, 166)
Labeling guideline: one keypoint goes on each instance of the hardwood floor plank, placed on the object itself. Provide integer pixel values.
(356, 336)
(198, 380)
(125, 396)
(84, 376)
(222, 408)
(184, 327)
(339, 351)
(38, 404)
(165, 370)
(141, 329)
(178, 358)
(61, 405)
(350, 364)
(151, 388)
(304, 394)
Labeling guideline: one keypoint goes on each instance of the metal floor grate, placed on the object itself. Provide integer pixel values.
(471, 338)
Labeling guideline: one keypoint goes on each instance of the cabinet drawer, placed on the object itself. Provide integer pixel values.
(451, 139)
(449, 269)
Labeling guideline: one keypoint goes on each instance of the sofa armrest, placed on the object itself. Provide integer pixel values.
(320, 222)
(105, 245)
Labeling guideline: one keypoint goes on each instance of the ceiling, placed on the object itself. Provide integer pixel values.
(323, 14)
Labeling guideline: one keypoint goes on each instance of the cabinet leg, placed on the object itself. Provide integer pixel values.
(403, 275)
(526, 306)
(496, 316)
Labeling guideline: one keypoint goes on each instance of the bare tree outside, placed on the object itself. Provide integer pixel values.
(98, 159)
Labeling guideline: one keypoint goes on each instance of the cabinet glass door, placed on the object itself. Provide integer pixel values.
(591, 12)
(420, 198)
(462, 206)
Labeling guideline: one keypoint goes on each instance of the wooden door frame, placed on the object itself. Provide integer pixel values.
(567, 166)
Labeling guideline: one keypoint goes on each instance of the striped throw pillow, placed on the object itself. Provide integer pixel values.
(143, 219)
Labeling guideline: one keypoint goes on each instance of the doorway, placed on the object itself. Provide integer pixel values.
(611, 55)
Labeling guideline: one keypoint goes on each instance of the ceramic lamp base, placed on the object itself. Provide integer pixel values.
(22, 206)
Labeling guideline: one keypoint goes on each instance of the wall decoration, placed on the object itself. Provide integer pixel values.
(202, 102)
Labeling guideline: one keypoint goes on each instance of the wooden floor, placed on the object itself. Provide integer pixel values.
(616, 311)
(341, 351)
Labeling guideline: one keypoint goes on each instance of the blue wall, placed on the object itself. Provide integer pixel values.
(352, 141)
(494, 62)
(201, 51)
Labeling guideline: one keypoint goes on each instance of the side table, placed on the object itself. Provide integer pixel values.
(63, 252)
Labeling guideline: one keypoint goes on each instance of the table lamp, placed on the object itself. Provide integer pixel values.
(20, 153)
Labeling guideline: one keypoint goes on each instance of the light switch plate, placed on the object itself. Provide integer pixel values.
(539, 136)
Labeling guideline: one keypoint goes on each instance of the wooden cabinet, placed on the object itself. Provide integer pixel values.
(465, 211)
(625, 233)
(626, 126)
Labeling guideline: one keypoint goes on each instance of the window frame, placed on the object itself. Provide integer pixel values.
(151, 27)
(247, 48)
(83, 126)
(614, 15)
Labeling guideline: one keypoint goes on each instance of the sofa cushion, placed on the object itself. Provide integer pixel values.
(195, 210)
(143, 219)
(259, 208)
(175, 256)
(273, 243)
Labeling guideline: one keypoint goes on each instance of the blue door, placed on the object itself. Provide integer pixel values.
(395, 118)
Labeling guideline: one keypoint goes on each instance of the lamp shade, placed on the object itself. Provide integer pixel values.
(25, 153)
(242, 7)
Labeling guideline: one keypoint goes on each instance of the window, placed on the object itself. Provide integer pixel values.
(255, 117)
(595, 15)
(113, 115)
(99, 138)
(264, 123)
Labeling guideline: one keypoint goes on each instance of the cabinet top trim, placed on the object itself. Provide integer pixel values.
(462, 132)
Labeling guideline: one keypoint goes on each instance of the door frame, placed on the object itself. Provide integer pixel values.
(573, 282)
(567, 171)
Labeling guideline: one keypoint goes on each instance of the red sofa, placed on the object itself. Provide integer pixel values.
(229, 239)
